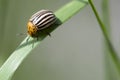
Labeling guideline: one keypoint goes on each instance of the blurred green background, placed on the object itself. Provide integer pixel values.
(73, 52)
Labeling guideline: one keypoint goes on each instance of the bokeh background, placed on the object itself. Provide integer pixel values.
(75, 51)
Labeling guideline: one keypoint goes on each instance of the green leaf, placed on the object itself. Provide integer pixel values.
(12, 63)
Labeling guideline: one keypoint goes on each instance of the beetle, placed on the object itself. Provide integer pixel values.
(40, 21)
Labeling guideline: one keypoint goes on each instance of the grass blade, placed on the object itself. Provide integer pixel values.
(12, 63)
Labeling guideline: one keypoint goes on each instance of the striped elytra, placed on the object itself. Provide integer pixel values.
(39, 21)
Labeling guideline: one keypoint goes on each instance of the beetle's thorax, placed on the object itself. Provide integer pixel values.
(32, 29)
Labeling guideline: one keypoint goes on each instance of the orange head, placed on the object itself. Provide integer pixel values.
(32, 29)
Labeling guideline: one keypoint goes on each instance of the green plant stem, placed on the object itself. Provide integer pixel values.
(107, 38)
(106, 20)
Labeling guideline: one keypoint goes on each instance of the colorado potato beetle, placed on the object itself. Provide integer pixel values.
(39, 21)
